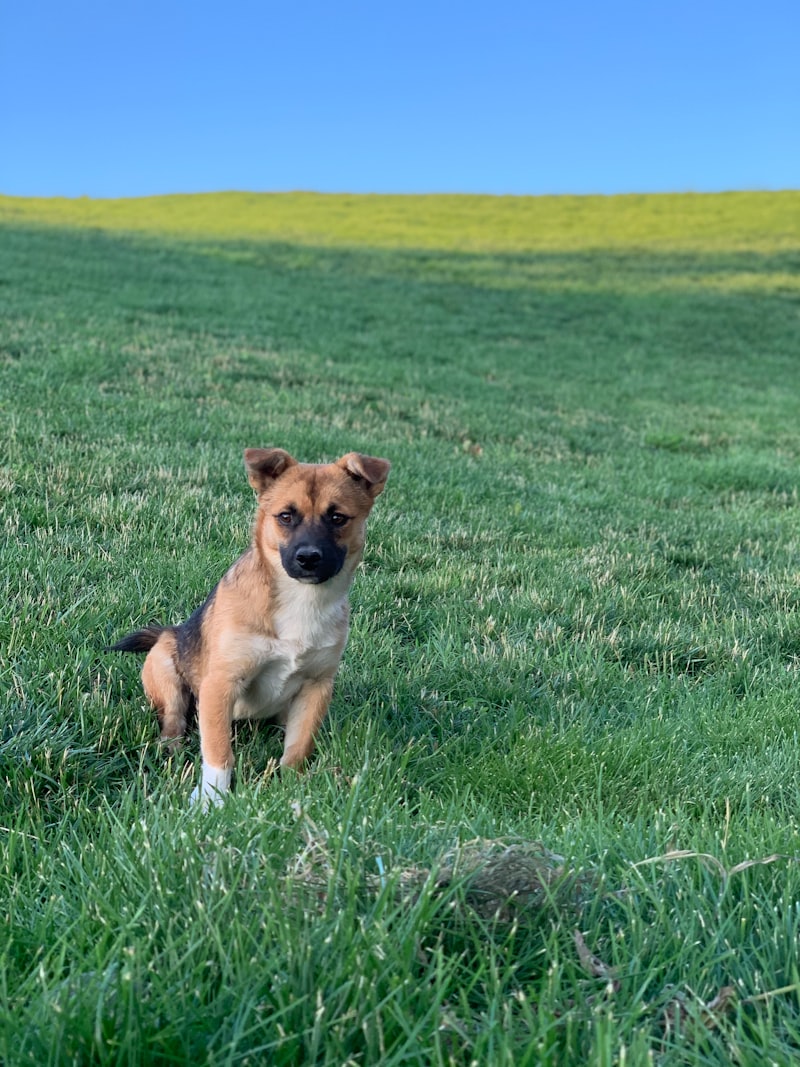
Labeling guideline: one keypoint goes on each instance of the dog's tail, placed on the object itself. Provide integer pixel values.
(140, 641)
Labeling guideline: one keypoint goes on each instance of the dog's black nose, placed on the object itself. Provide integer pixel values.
(308, 557)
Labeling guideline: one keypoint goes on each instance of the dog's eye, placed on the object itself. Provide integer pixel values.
(338, 519)
(285, 518)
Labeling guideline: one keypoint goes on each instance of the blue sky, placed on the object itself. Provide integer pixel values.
(138, 97)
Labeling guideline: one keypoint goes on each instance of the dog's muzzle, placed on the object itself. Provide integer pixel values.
(313, 562)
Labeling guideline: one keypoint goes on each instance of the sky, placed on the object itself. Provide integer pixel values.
(118, 98)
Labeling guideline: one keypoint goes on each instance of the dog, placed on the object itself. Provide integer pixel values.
(267, 642)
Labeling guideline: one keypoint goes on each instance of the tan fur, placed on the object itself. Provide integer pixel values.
(165, 689)
(268, 642)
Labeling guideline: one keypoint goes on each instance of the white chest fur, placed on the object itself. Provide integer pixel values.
(310, 625)
(311, 615)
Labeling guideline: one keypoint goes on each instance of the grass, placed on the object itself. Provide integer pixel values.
(577, 624)
(745, 222)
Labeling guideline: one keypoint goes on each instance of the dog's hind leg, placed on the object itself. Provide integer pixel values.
(165, 689)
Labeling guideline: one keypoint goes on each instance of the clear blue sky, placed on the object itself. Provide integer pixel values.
(136, 97)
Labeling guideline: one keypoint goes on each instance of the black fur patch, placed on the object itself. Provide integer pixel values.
(189, 634)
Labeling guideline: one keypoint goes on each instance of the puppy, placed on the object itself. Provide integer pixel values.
(268, 640)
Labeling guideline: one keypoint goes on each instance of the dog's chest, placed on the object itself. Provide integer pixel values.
(309, 631)
(310, 618)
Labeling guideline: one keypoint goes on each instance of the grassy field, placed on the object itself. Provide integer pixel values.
(554, 815)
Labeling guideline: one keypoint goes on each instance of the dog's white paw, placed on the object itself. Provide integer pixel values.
(215, 784)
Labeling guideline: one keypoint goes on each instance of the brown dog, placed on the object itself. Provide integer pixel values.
(268, 640)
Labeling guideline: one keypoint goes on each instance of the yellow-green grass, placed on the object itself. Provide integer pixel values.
(736, 221)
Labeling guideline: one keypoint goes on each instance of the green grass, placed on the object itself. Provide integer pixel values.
(577, 624)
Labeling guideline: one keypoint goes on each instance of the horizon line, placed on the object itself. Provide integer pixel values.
(232, 191)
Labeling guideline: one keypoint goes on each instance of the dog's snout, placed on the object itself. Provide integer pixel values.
(308, 557)
(312, 560)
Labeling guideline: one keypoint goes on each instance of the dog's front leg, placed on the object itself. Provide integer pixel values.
(304, 719)
(214, 714)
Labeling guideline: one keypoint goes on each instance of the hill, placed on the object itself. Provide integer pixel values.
(553, 819)
(724, 221)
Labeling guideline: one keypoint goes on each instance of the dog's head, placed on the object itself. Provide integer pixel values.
(313, 515)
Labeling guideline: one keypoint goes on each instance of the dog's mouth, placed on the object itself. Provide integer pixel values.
(310, 579)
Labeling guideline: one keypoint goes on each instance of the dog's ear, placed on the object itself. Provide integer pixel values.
(370, 471)
(264, 465)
